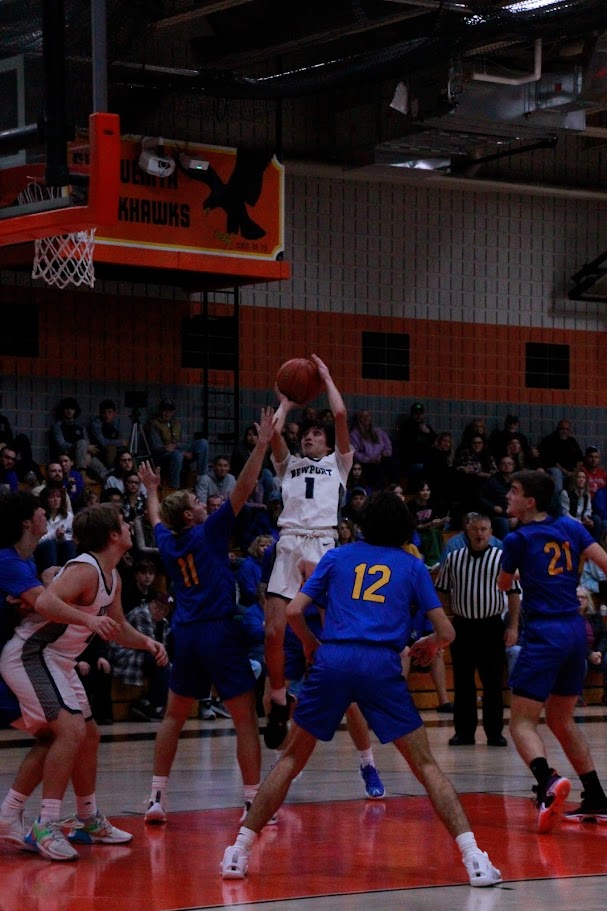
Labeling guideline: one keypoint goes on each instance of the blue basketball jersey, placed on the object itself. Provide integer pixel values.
(197, 564)
(16, 576)
(369, 591)
(547, 555)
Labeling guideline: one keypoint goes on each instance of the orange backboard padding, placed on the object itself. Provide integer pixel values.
(103, 190)
(123, 255)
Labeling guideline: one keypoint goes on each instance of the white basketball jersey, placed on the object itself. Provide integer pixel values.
(310, 489)
(67, 639)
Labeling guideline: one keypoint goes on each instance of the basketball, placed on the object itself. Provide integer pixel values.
(299, 380)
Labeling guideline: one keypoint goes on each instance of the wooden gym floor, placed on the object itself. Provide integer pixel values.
(332, 850)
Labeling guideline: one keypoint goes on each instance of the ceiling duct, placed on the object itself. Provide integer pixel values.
(484, 119)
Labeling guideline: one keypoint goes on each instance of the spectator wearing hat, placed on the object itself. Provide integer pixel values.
(413, 439)
(169, 450)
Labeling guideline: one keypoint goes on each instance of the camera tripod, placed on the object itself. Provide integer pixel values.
(138, 439)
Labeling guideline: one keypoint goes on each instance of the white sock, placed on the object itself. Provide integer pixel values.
(279, 696)
(86, 806)
(159, 784)
(366, 757)
(250, 791)
(50, 810)
(13, 804)
(466, 842)
(246, 839)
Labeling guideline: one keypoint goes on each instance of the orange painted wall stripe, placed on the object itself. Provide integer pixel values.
(129, 339)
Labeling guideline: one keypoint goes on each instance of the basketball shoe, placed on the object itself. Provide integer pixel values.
(235, 863)
(49, 841)
(480, 870)
(374, 787)
(550, 799)
(587, 812)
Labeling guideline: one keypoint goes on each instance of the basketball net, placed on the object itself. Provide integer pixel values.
(61, 259)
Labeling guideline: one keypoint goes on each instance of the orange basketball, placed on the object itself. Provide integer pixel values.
(299, 380)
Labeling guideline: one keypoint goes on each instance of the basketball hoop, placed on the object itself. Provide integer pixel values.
(60, 259)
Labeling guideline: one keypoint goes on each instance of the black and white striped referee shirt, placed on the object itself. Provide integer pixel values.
(471, 581)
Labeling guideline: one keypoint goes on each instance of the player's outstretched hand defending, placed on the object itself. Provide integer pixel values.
(265, 428)
(150, 477)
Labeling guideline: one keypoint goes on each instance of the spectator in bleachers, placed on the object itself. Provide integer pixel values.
(94, 669)
(239, 457)
(69, 437)
(54, 472)
(57, 546)
(170, 450)
(72, 480)
(493, 498)
(596, 637)
(560, 454)
(413, 438)
(218, 480)
(499, 439)
(473, 467)
(597, 476)
(575, 501)
(149, 616)
(291, 437)
(346, 532)
(248, 576)
(8, 475)
(124, 464)
(477, 427)
(428, 522)
(372, 448)
(89, 497)
(133, 501)
(440, 473)
(27, 470)
(106, 433)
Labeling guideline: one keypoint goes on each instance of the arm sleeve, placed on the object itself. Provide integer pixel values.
(424, 593)
(317, 585)
(513, 550)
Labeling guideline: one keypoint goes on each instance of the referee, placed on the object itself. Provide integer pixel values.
(467, 587)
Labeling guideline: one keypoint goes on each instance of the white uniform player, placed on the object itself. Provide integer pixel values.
(310, 490)
(38, 663)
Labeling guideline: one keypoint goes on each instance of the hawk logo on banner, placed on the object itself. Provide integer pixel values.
(240, 190)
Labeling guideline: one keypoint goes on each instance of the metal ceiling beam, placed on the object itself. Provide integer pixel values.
(438, 5)
(324, 36)
(202, 9)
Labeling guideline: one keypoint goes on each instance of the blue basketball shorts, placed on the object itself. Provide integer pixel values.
(369, 675)
(211, 652)
(552, 658)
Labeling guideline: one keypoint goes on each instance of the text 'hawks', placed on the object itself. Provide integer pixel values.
(310, 469)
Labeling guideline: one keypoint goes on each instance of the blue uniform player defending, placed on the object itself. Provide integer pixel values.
(551, 665)
(209, 645)
(368, 588)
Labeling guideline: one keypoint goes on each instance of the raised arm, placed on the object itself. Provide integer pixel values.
(280, 450)
(252, 467)
(151, 481)
(337, 405)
